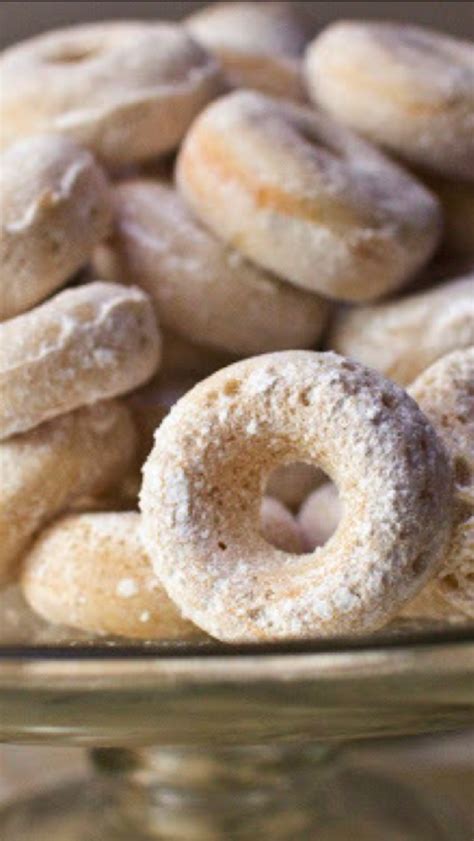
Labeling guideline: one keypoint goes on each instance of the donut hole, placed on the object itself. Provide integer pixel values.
(320, 515)
(291, 483)
(73, 53)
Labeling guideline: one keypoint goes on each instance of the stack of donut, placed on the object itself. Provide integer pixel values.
(237, 326)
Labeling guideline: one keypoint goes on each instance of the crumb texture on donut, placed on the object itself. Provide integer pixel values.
(83, 453)
(407, 88)
(89, 571)
(445, 393)
(83, 345)
(401, 338)
(201, 493)
(305, 198)
(55, 206)
(204, 290)
(126, 89)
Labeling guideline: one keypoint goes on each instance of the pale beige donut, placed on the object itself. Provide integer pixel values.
(403, 337)
(279, 528)
(292, 483)
(407, 88)
(305, 198)
(126, 89)
(201, 492)
(457, 202)
(89, 571)
(83, 345)
(54, 208)
(203, 290)
(43, 471)
(445, 393)
(260, 45)
(320, 516)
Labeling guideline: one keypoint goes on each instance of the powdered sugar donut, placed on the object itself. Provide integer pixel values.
(202, 485)
(407, 88)
(320, 516)
(86, 452)
(259, 45)
(126, 89)
(83, 345)
(305, 198)
(89, 571)
(445, 393)
(203, 290)
(54, 208)
(403, 337)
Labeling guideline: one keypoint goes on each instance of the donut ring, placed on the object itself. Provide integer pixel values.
(402, 338)
(128, 90)
(54, 208)
(445, 393)
(43, 471)
(305, 198)
(201, 492)
(409, 89)
(89, 571)
(202, 289)
(259, 45)
(320, 516)
(83, 345)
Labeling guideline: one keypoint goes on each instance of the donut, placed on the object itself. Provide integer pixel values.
(89, 571)
(279, 528)
(125, 89)
(85, 452)
(202, 289)
(54, 208)
(457, 202)
(202, 485)
(290, 484)
(411, 90)
(305, 198)
(84, 344)
(260, 45)
(401, 338)
(320, 516)
(445, 393)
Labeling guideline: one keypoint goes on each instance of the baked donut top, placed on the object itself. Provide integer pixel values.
(97, 64)
(425, 67)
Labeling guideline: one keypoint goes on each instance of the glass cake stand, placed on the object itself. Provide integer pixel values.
(214, 742)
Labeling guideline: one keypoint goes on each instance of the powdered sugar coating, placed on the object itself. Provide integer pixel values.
(203, 481)
(54, 208)
(401, 338)
(126, 89)
(44, 471)
(89, 571)
(258, 44)
(445, 393)
(83, 345)
(305, 198)
(407, 88)
(203, 290)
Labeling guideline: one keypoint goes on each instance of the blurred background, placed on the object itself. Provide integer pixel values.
(20, 19)
(24, 769)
